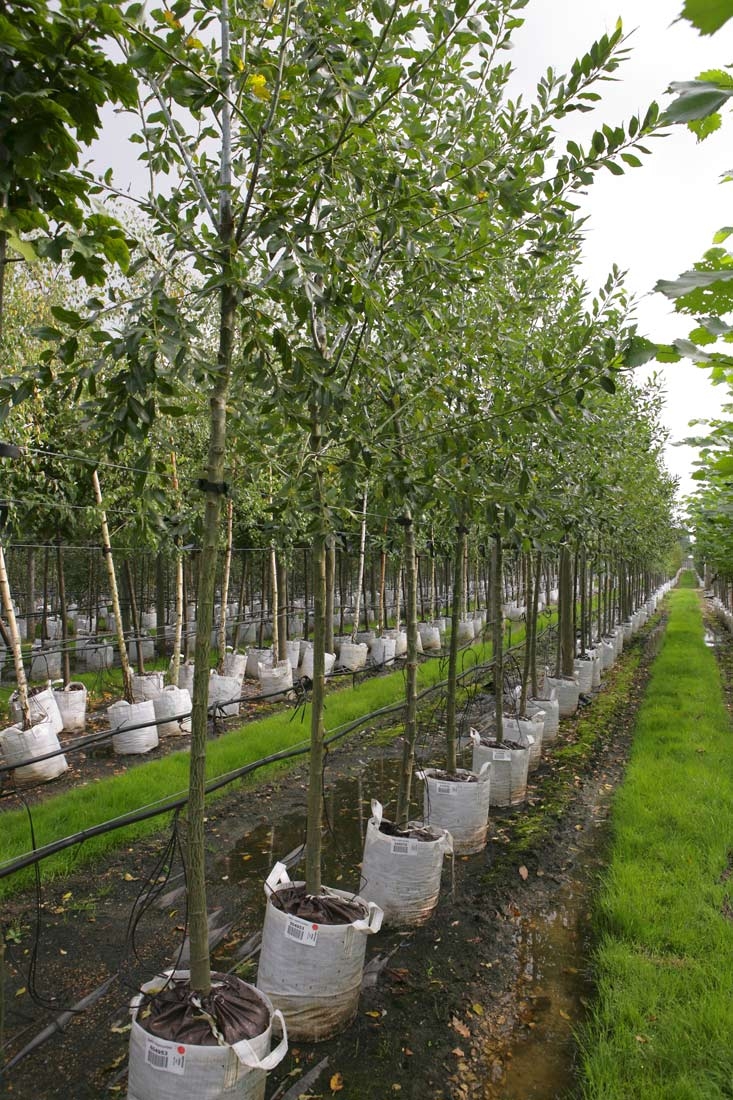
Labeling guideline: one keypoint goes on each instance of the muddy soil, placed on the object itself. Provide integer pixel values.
(497, 979)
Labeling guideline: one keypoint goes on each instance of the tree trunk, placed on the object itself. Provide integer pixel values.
(112, 578)
(135, 617)
(161, 603)
(315, 781)
(64, 619)
(410, 737)
(226, 574)
(15, 643)
(30, 589)
(567, 640)
(330, 589)
(360, 574)
(498, 570)
(281, 651)
(530, 606)
(274, 605)
(452, 689)
(535, 612)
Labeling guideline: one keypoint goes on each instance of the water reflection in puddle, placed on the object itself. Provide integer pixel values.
(554, 988)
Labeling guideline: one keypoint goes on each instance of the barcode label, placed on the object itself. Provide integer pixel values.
(404, 847)
(501, 754)
(446, 788)
(169, 1057)
(302, 932)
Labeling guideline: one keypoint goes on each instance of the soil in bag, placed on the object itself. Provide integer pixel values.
(411, 831)
(454, 777)
(318, 908)
(178, 1014)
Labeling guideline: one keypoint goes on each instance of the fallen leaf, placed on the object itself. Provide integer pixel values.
(246, 856)
(460, 1027)
(120, 1030)
(336, 1083)
(458, 1052)
(407, 1052)
(478, 1009)
(374, 1014)
(564, 1015)
(523, 873)
(641, 1038)
(67, 895)
(128, 877)
(396, 1088)
(20, 992)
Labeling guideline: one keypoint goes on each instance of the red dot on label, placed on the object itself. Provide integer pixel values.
(314, 927)
(181, 1050)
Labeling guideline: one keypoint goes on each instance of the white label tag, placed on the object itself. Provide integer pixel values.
(302, 931)
(404, 846)
(170, 1057)
(501, 754)
(446, 788)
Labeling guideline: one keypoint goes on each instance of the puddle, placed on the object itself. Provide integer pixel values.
(554, 988)
(347, 806)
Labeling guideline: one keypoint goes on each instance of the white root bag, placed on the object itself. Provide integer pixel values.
(465, 632)
(551, 709)
(597, 668)
(255, 658)
(608, 654)
(43, 707)
(509, 771)
(462, 808)
(170, 706)
(568, 693)
(306, 666)
(584, 675)
(17, 744)
(72, 704)
(430, 636)
(235, 665)
(147, 686)
(162, 1070)
(224, 693)
(353, 655)
(383, 650)
(402, 874)
(528, 733)
(313, 972)
(276, 681)
(122, 715)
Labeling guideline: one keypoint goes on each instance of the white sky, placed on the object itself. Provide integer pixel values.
(655, 221)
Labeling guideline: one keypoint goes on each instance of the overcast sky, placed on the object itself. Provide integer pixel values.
(655, 221)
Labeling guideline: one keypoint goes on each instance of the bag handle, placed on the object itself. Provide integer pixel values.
(278, 876)
(247, 1057)
(377, 812)
(372, 922)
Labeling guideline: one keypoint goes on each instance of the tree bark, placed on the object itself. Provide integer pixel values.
(15, 643)
(112, 578)
(410, 736)
(452, 689)
(498, 631)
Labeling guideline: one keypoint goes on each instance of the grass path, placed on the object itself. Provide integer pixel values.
(662, 1027)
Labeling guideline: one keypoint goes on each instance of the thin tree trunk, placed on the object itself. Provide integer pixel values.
(315, 780)
(15, 643)
(30, 606)
(135, 616)
(410, 737)
(112, 578)
(452, 689)
(330, 589)
(175, 666)
(535, 613)
(530, 607)
(360, 574)
(64, 620)
(567, 640)
(498, 569)
(281, 650)
(200, 967)
(241, 603)
(226, 574)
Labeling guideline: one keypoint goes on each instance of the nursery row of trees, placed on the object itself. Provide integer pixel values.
(348, 300)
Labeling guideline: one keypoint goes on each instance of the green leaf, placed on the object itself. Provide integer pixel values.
(691, 280)
(723, 234)
(707, 15)
(697, 100)
(24, 248)
(704, 127)
(607, 383)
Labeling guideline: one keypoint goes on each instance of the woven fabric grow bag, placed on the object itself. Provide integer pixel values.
(126, 741)
(161, 1069)
(551, 722)
(402, 874)
(584, 674)
(429, 636)
(568, 693)
(353, 655)
(170, 706)
(383, 650)
(147, 686)
(608, 654)
(43, 707)
(277, 681)
(509, 767)
(460, 806)
(224, 693)
(72, 704)
(17, 745)
(312, 972)
(528, 732)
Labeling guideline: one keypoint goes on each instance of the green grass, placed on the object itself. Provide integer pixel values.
(157, 780)
(662, 1025)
